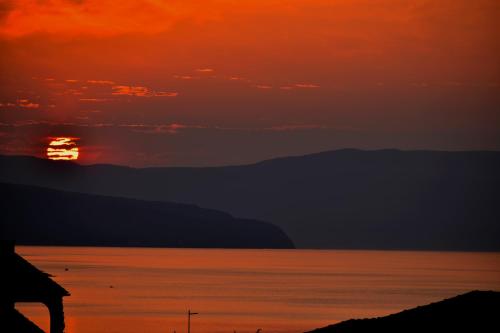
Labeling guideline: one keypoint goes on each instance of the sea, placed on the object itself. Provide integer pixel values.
(127, 290)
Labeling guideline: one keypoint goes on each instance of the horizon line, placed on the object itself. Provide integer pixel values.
(279, 157)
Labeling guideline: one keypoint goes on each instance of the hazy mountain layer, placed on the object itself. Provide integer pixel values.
(39, 216)
(340, 199)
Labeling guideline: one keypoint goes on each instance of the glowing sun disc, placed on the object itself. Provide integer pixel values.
(63, 148)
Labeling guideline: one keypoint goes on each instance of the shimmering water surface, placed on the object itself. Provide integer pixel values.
(150, 290)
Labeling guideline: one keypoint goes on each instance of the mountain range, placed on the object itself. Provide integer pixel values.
(382, 199)
(39, 216)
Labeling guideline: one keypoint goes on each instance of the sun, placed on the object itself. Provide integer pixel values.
(63, 149)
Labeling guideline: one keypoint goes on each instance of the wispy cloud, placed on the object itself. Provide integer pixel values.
(236, 78)
(205, 70)
(166, 94)
(95, 100)
(159, 129)
(141, 92)
(301, 85)
(295, 127)
(8, 104)
(130, 90)
(306, 85)
(185, 77)
(26, 103)
(104, 82)
(76, 92)
(172, 128)
(97, 90)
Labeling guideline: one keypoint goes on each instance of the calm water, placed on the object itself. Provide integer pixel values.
(242, 290)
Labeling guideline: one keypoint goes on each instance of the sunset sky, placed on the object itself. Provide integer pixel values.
(196, 83)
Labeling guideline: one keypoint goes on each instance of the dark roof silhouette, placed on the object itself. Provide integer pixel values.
(13, 320)
(25, 279)
(475, 311)
(20, 281)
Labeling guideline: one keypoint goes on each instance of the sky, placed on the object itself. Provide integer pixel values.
(203, 83)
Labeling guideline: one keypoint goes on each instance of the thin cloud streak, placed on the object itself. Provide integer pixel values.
(141, 92)
(205, 70)
(171, 128)
(22, 103)
(263, 86)
(306, 85)
(104, 82)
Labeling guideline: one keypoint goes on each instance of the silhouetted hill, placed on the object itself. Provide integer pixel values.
(476, 311)
(386, 199)
(39, 216)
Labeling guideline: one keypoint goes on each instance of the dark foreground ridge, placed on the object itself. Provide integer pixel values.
(39, 216)
(384, 199)
(476, 311)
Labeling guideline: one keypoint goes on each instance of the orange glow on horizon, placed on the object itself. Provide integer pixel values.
(63, 149)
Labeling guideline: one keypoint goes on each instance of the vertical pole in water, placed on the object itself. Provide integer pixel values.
(189, 319)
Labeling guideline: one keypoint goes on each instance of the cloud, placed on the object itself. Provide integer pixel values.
(8, 104)
(26, 103)
(97, 17)
(159, 129)
(96, 100)
(76, 92)
(281, 128)
(263, 86)
(130, 90)
(104, 82)
(236, 78)
(300, 86)
(185, 77)
(141, 92)
(275, 128)
(166, 94)
(205, 70)
(306, 85)
(172, 128)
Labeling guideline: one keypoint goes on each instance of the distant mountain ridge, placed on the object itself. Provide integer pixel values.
(384, 199)
(39, 216)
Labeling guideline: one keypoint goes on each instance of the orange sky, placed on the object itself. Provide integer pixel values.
(152, 82)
